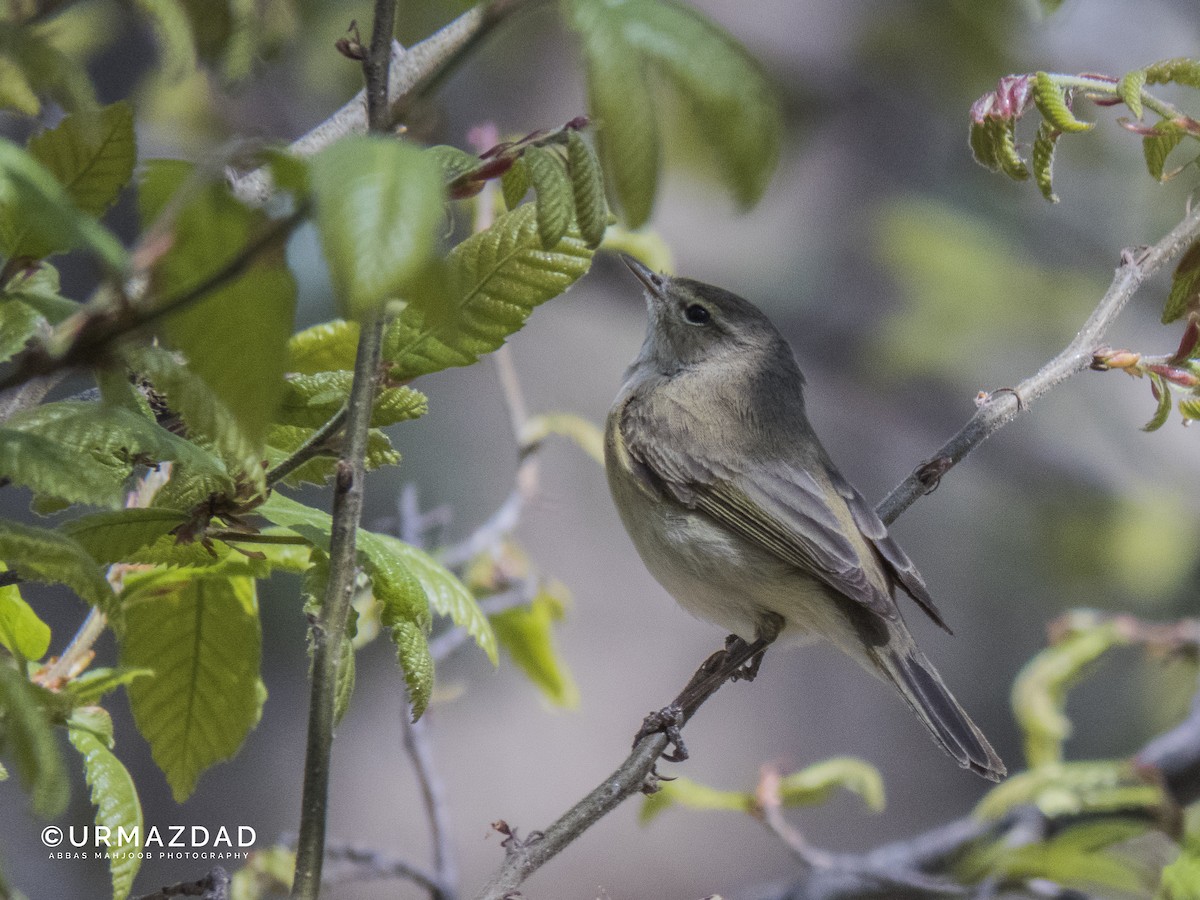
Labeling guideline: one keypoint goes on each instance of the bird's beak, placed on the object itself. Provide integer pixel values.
(654, 282)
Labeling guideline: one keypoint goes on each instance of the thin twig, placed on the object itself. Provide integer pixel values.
(433, 798)
(329, 632)
(444, 644)
(318, 444)
(1002, 407)
(368, 863)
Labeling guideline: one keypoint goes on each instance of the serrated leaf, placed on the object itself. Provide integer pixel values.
(235, 338)
(1051, 100)
(527, 635)
(28, 743)
(117, 805)
(498, 277)
(311, 400)
(283, 440)
(514, 184)
(91, 687)
(1180, 70)
(985, 139)
(444, 591)
(327, 347)
(37, 217)
(18, 323)
(1185, 286)
(622, 106)
(1162, 391)
(412, 651)
(1040, 691)
(115, 536)
(53, 471)
(1157, 146)
(1129, 89)
(22, 633)
(202, 638)
(1007, 155)
(39, 554)
(1042, 159)
(378, 207)
(587, 184)
(555, 201)
(814, 784)
(91, 154)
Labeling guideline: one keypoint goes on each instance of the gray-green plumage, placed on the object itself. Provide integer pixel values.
(737, 510)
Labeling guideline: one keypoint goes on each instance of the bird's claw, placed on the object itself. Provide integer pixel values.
(667, 721)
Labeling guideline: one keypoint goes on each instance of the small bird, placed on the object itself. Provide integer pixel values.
(737, 510)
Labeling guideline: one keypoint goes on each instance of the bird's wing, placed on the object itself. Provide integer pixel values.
(780, 508)
(896, 560)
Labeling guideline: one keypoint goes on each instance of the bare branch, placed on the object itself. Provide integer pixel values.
(433, 797)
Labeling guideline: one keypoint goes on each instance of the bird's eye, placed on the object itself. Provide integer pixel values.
(697, 314)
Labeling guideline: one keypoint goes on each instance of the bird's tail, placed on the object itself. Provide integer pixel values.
(921, 685)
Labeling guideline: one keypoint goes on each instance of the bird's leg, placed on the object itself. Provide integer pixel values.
(768, 630)
(668, 721)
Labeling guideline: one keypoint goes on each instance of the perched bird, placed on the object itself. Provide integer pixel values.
(737, 510)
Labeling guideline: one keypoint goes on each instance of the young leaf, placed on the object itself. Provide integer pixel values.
(284, 440)
(29, 745)
(498, 277)
(18, 323)
(1185, 286)
(527, 635)
(235, 337)
(1042, 159)
(514, 184)
(311, 400)
(91, 154)
(378, 209)
(201, 636)
(38, 554)
(116, 535)
(37, 217)
(37, 286)
(814, 784)
(444, 591)
(451, 161)
(22, 633)
(330, 346)
(682, 791)
(117, 805)
(1180, 70)
(36, 67)
(1129, 89)
(1157, 146)
(1162, 393)
(555, 202)
(91, 687)
(412, 651)
(1051, 100)
(587, 184)
(586, 435)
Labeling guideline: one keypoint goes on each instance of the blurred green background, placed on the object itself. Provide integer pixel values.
(906, 277)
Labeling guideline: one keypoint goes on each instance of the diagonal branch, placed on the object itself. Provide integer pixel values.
(998, 410)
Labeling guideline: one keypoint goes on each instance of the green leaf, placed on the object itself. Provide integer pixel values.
(28, 743)
(1039, 693)
(555, 201)
(1189, 408)
(1051, 100)
(412, 650)
(1180, 70)
(1162, 393)
(514, 184)
(116, 535)
(54, 471)
(173, 29)
(587, 184)
(201, 636)
(444, 591)
(1157, 146)
(1042, 159)
(284, 440)
(346, 676)
(1076, 789)
(37, 217)
(330, 346)
(91, 154)
(34, 66)
(235, 337)
(1181, 879)
(38, 554)
(814, 784)
(452, 161)
(1185, 286)
(22, 633)
(117, 806)
(682, 791)
(1129, 89)
(622, 105)
(498, 277)
(311, 400)
(586, 435)
(378, 210)
(18, 323)
(527, 635)
(91, 687)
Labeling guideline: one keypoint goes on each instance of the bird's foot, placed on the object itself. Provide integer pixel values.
(667, 721)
